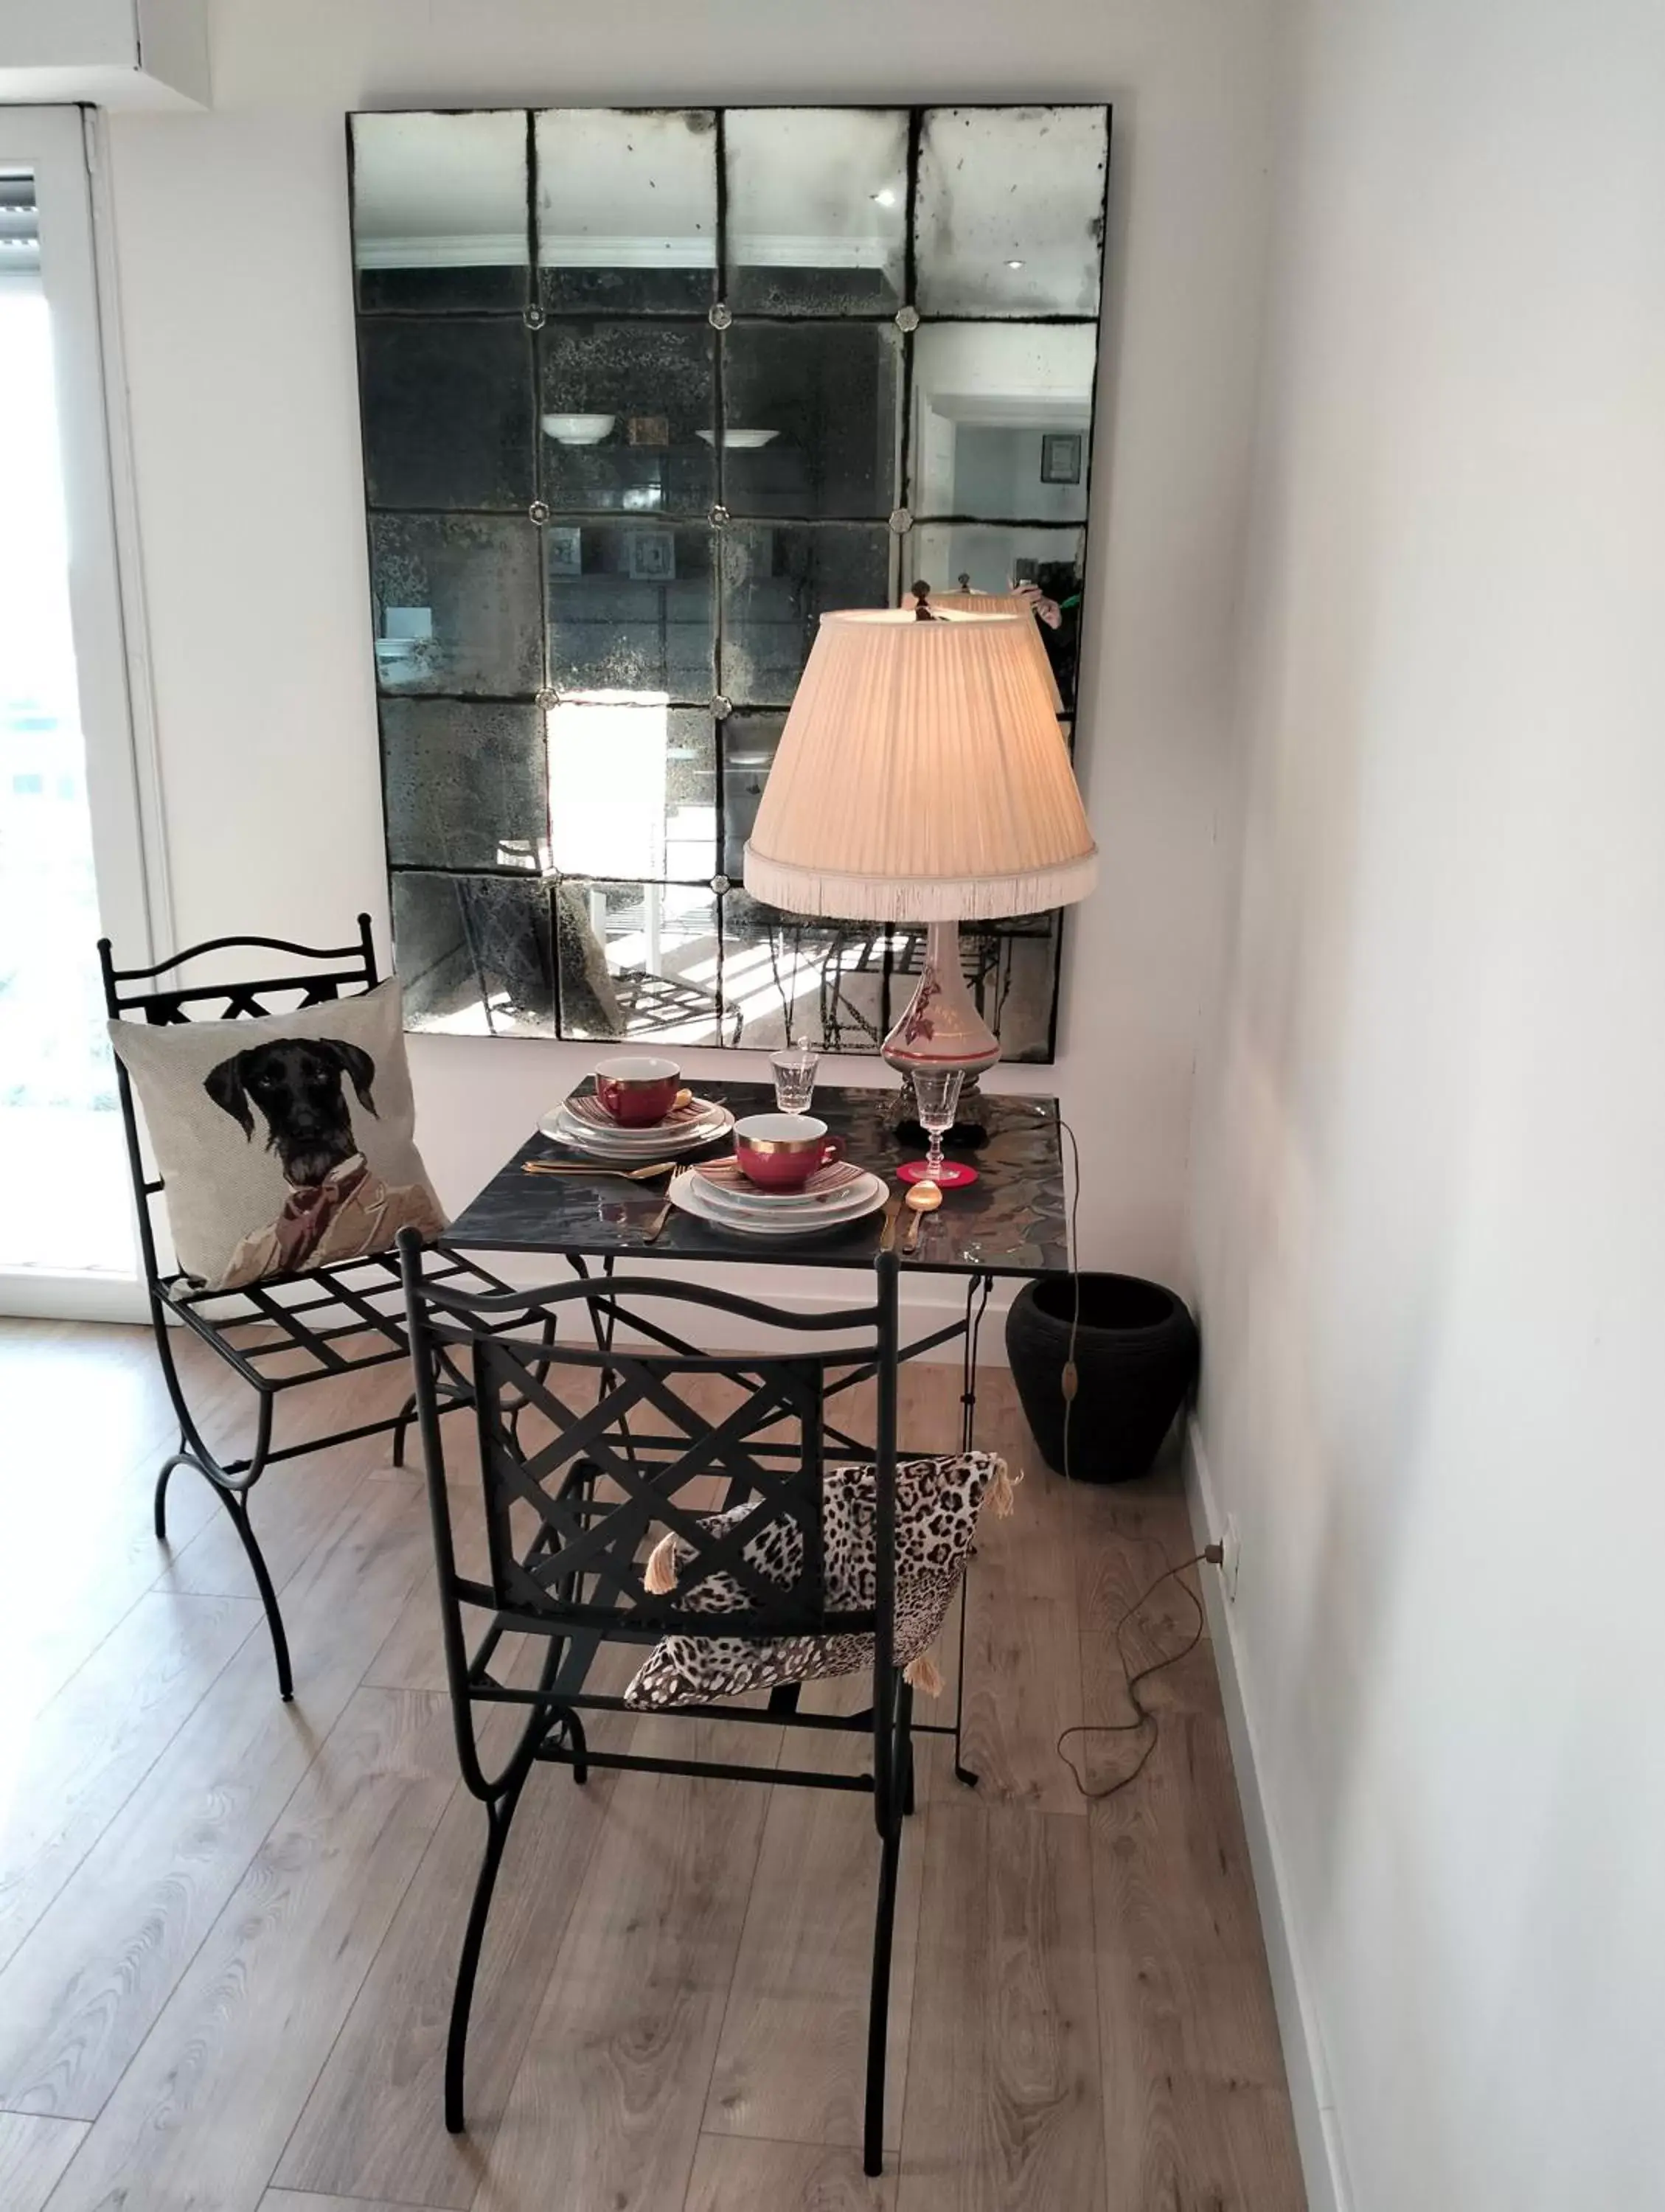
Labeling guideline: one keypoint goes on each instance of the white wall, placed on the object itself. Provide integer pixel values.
(237, 313)
(1430, 1219)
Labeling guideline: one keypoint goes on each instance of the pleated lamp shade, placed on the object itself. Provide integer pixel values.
(1004, 603)
(921, 777)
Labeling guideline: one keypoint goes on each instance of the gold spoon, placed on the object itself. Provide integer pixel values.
(923, 1198)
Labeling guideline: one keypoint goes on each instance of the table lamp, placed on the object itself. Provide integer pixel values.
(922, 778)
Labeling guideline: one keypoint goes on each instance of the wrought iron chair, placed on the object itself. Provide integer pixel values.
(286, 1330)
(569, 1519)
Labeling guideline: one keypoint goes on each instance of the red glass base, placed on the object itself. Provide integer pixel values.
(954, 1174)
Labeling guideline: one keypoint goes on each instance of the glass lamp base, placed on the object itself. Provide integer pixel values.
(940, 1026)
(954, 1176)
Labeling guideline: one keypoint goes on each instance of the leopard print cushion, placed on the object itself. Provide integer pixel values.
(938, 1502)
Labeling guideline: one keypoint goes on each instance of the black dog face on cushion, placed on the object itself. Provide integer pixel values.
(297, 1084)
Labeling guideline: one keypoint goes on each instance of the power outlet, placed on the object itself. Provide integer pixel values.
(1230, 1555)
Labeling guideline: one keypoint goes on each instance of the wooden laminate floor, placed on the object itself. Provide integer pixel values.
(227, 1926)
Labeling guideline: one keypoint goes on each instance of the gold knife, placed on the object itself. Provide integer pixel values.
(893, 1205)
(597, 1168)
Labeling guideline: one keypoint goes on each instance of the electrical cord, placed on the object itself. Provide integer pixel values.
(1144, 1717)
(1072, 1256)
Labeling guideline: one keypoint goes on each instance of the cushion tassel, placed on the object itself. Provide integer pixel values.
(924, 1675)
(1003, 1491)
(660, 1579)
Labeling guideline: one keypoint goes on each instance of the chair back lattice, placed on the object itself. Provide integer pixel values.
(595, 1496)
(590, 1454)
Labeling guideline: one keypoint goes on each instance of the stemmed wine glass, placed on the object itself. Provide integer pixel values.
(937, 1092)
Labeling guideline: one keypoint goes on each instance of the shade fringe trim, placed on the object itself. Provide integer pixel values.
(947, 898)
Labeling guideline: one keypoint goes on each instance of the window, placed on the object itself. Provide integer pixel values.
(70, 865)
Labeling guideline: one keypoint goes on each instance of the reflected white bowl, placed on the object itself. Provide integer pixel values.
(744, 440)
(578, 429)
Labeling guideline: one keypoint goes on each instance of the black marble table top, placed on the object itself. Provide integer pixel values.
(1010, 1222)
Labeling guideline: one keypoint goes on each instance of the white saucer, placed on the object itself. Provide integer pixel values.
(694, 1195)
(640, 1145)
(748, 1199)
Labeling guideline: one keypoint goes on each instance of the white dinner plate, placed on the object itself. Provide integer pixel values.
(655, 1146)
(693, 1194)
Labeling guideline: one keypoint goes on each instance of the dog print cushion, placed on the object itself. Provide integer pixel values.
(284, 1143)
(938, 1502)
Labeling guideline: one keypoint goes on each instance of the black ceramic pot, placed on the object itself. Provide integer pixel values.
(1135, 1358)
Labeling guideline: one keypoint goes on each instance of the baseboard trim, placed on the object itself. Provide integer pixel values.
(1323, 2164)
(35, 1294)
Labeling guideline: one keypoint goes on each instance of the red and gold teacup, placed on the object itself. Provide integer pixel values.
(637, 1092)
(781, 1151)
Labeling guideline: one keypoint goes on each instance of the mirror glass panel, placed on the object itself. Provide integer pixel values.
(474, 954)
(637, 960)
(621, 409)
(817, 210)
(447, 412)
(1011, 966)
(821, 980)
(749, 745)
(812, 418)
(1010, 211)
(630, 608)
(995, 557)
(777, 582)
(632, 785)
(456, 603)
(1001, 416)
(465, 784)
(627, 210)
(440, 211)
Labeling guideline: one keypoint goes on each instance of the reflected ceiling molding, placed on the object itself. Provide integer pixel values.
(481, 250)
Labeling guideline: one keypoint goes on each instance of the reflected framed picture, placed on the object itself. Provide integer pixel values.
(651, 556)
(564, 550)
(1060, 457)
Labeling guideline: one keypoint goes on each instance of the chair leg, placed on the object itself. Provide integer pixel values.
(575, 1728)
(233, 1490)
(402, 1428)
(962, 1773)
(499, 1813)
(158, 1508)
(879, 2012)
(237, 1505)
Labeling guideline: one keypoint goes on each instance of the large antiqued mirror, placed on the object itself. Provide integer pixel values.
(644, 393)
